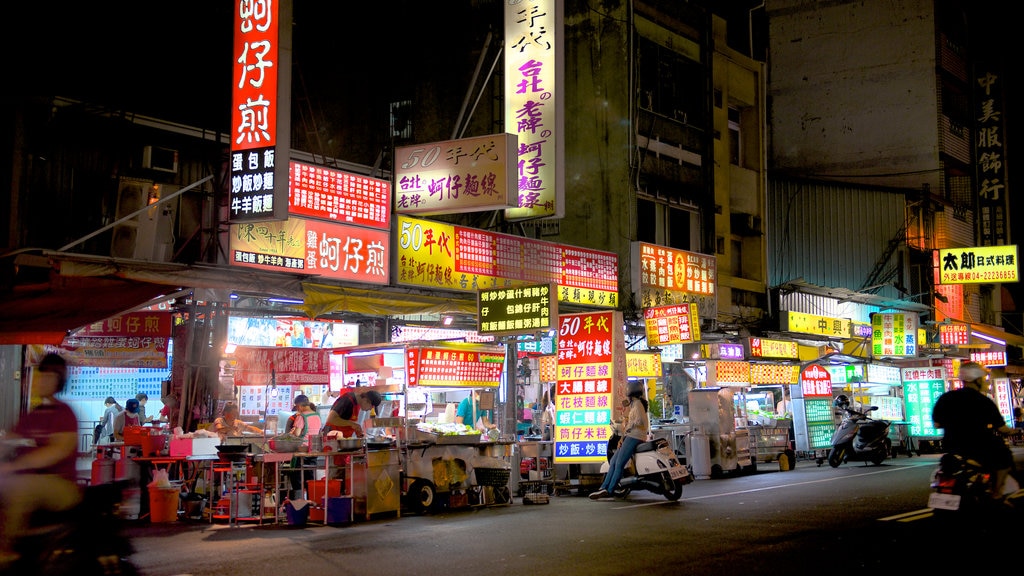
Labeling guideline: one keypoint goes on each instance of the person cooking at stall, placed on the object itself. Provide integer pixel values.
(229, 424)
(345, 413)
(470, 414)
(127, 417)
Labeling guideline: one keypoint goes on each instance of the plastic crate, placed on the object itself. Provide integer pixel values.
(492, 476)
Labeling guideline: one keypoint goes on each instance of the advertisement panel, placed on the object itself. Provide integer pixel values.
(921, 388)
(978, 265)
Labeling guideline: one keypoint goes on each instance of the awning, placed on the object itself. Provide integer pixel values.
(45, 313)
(999, 334)
(323, 299)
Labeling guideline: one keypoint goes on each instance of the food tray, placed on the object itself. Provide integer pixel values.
(450, 439)
(492, 476)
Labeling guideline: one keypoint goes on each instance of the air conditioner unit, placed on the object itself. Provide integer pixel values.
(160, 159)
(150, 234)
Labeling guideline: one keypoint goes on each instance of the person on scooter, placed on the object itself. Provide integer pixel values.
(41, 477)
(973, 426)
(635, 430)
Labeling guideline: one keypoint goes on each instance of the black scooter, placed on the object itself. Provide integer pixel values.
(84, 541)
(859, 437)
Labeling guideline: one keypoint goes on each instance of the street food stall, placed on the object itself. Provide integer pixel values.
(441, 461)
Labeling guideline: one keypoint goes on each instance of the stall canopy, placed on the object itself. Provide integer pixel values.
(45, 313)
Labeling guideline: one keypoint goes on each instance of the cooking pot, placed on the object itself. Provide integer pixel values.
(352, 443)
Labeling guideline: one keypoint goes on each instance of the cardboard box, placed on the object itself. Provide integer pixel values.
(193, 446)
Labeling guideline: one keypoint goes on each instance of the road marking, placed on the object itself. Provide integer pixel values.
(792, 484)
(909, 516)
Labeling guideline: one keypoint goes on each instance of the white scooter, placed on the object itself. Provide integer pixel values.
(653, 467)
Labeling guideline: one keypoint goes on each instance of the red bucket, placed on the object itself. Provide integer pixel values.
(135, 435)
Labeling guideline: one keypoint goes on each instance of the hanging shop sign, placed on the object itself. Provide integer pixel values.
(673, 324)
(894, 334)
(765, 348)
(990, 358)
(520, 310)
(534, 105)
(921, 388)
(978, 265)
(448, 257)
(548, 368)
(455, 366)
(728, 373)
(456, 176)
(880, 374)
(722, 351)
(1003, 394)
(291, 332)
(336, 196)
(255, 401)
(666, 276)
(774, 373)
(264, 366)
(955, 334)
(313, 247)
(990, 99)
(412, 333)
(590, 383)
(643, 364)
(816, 389)
(812, 324)
(260, 111)
(132, 340)
(545, 344)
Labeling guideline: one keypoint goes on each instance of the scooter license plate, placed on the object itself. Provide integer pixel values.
(944, 501)
(677, 472)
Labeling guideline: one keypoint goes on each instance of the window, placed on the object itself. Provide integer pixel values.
(400, 116)
(734, 136)
(664, 224)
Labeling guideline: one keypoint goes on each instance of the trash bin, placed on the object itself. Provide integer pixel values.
(296, 512)
(194, 507)
(163, 504)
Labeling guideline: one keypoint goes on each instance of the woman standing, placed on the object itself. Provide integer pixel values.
(637, 427)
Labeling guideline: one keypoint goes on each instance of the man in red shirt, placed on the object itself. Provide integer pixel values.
(42, 475)
(344, 414)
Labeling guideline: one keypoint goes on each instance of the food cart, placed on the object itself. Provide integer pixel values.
(440, 462)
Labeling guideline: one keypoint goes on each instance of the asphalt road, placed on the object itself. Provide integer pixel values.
(854, 519)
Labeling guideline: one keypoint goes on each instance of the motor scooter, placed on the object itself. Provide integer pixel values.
(653, 467)
(859, 437)
(963, 488)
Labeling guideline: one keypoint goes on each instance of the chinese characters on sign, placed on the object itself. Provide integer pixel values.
(813, 324)
(894, 334)
(136, 339)
(670, 276)
(990, 155)
(467, 175)
(765, 348)
(591, 366)
(674, 324)
(306, 246)
(978, 265)
(439, 255)
(921, 388)
(261, 110)
(469, 367)
(990, 358)
(954, 334)
(533, 104)
(519, 310)
(338, 196)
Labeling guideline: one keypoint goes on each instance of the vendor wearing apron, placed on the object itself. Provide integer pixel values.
(345, 413)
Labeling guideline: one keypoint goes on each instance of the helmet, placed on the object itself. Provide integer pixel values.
(635, 387)
(971, 371)
(841, 401)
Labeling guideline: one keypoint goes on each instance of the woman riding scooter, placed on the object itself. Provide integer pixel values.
(636, 428)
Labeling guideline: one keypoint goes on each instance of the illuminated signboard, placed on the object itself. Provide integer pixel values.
(765, 348)
(666, 276)
(534, 105)
(134, 339)
(338, 196)
(260, 111)
(728, 373)
(774, 373)
(813, 324)
(990, 357)
(291, 332)
(673, 324)
(261, 366)
(921, 388)
(467, 175)
(978, 265)
(894, 334)
(815, 381)
(954, 334)
(722, 351)
(990, 140)
(591, 378)
(643, 364)
(439, 255)
(305, 246)
(453, 366)
(520, 310)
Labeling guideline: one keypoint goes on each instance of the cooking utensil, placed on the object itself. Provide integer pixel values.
(352, 443)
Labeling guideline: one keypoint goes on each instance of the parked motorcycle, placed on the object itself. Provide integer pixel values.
(858, 437)
(653, 467)
(85, 541)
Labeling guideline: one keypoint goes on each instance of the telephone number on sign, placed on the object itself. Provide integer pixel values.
(1010, 275)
